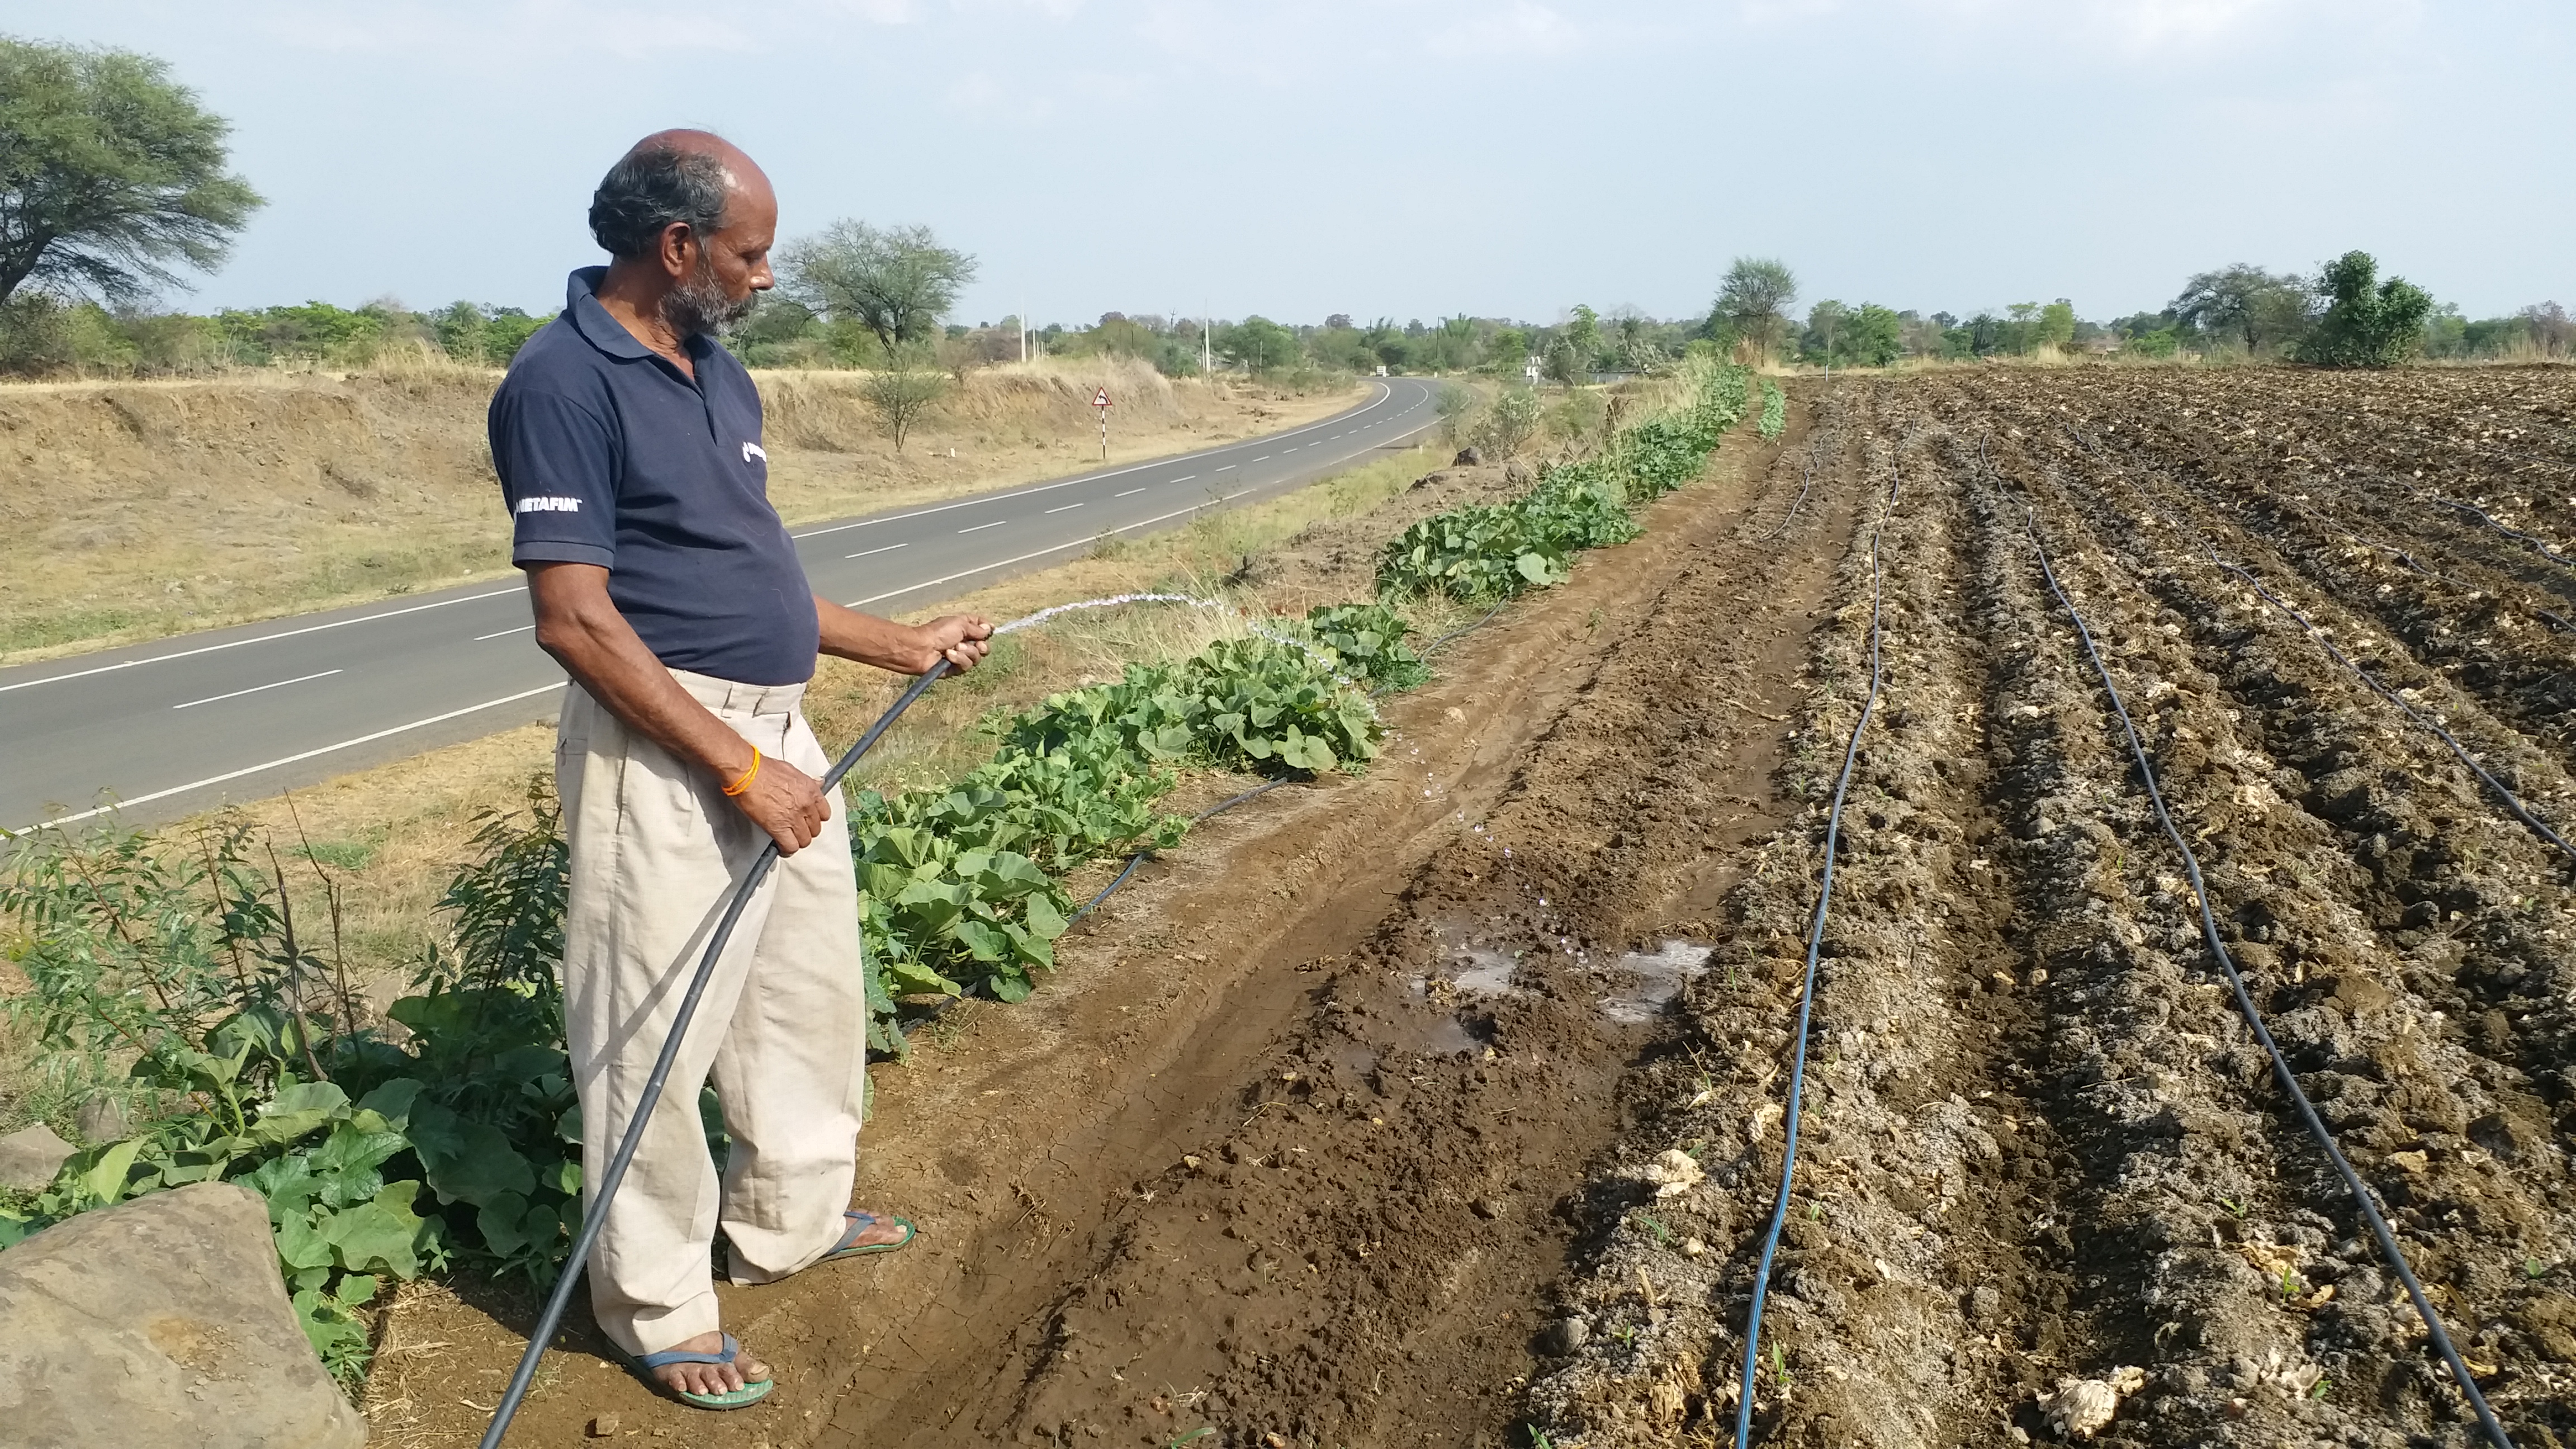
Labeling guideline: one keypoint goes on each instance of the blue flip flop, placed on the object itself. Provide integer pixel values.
(859, 1223)
(642, 1366)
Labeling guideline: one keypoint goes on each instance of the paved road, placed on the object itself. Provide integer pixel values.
(183, 724)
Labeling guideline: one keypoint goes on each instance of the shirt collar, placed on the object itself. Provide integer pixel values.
(581, 302)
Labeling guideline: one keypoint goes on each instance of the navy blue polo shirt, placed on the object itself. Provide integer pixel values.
(608, 455)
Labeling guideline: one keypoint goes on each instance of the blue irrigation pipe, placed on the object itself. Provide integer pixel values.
(1807, 990)
(606, 1189)
(2281, 1072)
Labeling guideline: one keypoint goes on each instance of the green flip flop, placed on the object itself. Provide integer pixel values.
(642, 1366)
(859, 1223)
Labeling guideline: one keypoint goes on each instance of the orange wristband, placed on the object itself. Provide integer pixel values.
(738, 786)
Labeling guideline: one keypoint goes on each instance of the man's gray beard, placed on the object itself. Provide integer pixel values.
(698, 307)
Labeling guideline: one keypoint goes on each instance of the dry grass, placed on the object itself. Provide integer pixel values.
(142, 509)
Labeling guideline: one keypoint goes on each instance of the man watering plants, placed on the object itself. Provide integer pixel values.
(629, 448)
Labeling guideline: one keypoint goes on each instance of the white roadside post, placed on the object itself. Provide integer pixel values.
(1101, 401)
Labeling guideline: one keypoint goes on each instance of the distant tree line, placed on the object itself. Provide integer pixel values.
(2344, 315)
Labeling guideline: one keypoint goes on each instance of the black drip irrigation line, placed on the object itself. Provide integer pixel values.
(2513, 804)
(1807, 990)
(1140, 857)
(2482, 516)
(2281, 1072)
(1807, 480)
(552, 1317)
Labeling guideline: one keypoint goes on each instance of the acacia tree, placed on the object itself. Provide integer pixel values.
(1754, 299)
(903, 392)
(111, 175)
(896, 282)
(2257, 305)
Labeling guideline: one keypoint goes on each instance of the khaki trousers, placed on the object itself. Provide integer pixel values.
(657, 851)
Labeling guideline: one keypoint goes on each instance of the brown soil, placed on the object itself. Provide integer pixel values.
(2039, 1142)
(1259, 1158)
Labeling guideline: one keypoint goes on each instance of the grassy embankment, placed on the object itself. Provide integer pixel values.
(143, 509)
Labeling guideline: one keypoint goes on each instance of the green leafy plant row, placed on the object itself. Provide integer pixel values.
(1775, 411)
(1495, 551)
(453, 1136)
(964, 885)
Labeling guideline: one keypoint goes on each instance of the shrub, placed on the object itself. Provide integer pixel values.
(2366, 325)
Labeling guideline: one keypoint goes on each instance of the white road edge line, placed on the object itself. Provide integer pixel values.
(503, 633)
(1379, 401)
(889, 548)
(238, 643)
(256, 688)
(293, 759)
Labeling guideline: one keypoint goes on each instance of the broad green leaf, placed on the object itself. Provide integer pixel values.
(288, 1183)
(356, 1289)
(300, 1245)
(1044, 920)
(392, 1101)
(469, 1162)
(500, 1222)
(379, 1233)
(105, 1180)
(564, 1177)
(298, 1110)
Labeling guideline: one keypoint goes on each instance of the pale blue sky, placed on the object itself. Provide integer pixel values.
(1413, 157)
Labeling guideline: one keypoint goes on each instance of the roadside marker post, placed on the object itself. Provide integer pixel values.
(1101, 401)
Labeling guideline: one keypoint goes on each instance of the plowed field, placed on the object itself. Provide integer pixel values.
(2040, 1141)
(1352, 1123)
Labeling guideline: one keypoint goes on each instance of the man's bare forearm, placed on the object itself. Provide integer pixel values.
(901, 648)
(579, 625)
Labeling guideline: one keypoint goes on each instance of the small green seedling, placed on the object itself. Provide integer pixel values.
(1779, 1366)
(2233, 1206)
(1815, 1212)
(1201, 1432)
(1539, 1439)
(2534, 1268)
(2319, 1391)
(1663, 1234)
(1626, 1333)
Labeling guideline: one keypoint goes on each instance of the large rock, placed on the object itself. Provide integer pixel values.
(159, 1323)
(30, 1157)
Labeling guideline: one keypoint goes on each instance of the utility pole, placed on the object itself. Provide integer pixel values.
(1024, 334)
(1207, 352)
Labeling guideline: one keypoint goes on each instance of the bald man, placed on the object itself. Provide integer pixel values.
(629, 449)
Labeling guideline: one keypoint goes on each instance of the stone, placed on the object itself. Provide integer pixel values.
(158, 1323)
(1519, 474)
(1564, 1336)
(602, 1425)
(29, 1158)
(101, 1119)
(1469, 457)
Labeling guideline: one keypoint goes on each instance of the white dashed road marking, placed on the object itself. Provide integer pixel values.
(256, 688)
